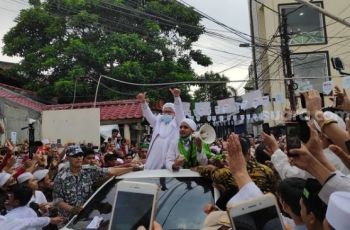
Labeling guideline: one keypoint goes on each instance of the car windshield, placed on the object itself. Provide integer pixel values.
(180, 203)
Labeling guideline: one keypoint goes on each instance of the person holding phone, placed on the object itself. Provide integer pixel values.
(187, 151)
(165, 128)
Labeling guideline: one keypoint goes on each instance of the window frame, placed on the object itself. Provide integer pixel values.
(325, 52)
(280, 6)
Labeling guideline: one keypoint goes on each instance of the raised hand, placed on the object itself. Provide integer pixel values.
(235, 157)
(175, 92)
(343, 101)
(344, 157)
(313, 102)
(141, 97)
(270, 143)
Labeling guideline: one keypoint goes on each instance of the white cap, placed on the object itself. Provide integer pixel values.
(4, 177)
(40, 174)
(190, 123)
(338, 211)
(24, 177)
(169, 105)
(332, 116)
(45, 141)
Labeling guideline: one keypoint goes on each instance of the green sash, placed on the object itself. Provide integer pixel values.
(191, 154)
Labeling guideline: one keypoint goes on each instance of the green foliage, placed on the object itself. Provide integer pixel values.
(64, 41)
(213, 92)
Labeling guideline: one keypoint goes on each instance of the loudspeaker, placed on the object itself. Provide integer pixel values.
(207, 134)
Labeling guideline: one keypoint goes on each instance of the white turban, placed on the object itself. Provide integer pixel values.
(190, 123)
(338, 210)
(169, 105)
(24, 177)
(40, 174)
(4, 177)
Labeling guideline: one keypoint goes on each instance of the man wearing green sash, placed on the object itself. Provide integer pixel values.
(187, 151)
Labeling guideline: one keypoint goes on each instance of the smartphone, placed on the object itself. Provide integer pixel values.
(134, 205)
(302, 101)
(260, 213)
(292, 135)
(59, 144)
(266, 128)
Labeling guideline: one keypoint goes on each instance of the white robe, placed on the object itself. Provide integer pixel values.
(162, 135)
(23, 223)
(22, 212)
(173, 153)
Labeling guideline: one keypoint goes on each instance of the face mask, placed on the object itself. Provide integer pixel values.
(166, 118)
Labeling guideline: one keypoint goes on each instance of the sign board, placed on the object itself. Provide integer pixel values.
(75, 125)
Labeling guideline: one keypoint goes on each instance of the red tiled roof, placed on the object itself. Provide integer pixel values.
(21, 100)
(109, 110)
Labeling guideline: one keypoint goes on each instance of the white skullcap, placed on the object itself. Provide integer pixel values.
(169, 105)
(190, 123)
(24, 177)
(4, 177)
(40, 174)
(338, 211)
(332, 116)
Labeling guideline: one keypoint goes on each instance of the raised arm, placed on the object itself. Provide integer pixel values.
(146, 111)
(179, 111)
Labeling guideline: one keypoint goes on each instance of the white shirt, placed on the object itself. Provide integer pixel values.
(7, 223)
(22, 212)
(285, 170)
(162, 135)
(38, 198)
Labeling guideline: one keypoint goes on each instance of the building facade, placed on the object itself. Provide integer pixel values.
(313, 40)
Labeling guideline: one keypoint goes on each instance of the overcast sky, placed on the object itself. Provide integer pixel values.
(233, 13)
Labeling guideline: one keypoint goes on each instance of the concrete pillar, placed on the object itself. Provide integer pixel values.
(127, 132)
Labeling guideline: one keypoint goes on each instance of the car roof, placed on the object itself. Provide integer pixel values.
(159, 173)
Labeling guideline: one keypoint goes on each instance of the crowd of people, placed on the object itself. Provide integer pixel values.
(310, 183)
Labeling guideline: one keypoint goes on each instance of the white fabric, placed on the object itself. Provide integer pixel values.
(38, 198)
(173, 152)
(169, 105)
(190, 123)
(162, 135)
(23, 223)
(281, 163)
(335, 161)
(24, 177)
(338, 210)
(339, 182)
(285, 170)
(4, 178)
(332, 116)
(40, 174)
(247, 192)
(22, 212)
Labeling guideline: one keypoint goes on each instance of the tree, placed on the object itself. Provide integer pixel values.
(213, 92)
(67, 45)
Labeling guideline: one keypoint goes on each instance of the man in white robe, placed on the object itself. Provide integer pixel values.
(187, 151)
(165, 128)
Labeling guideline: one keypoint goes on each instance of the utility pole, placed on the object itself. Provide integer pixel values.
(286, 59)
(252, 34)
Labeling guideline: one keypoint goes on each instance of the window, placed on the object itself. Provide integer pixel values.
(310, 65)
(180, 203)
(306, 25)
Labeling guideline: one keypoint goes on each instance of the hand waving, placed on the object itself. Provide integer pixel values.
(141, 97)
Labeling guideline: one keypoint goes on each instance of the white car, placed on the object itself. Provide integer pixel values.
(180, 203)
